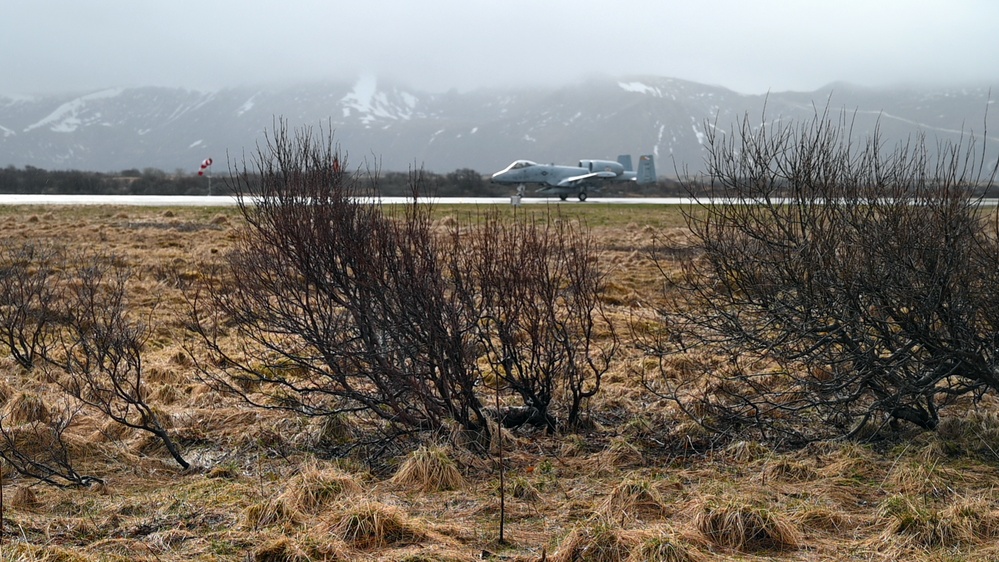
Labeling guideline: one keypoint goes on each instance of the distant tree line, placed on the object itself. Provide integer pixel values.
(463, 182)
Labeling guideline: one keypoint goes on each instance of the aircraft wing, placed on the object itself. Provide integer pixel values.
(565, 182)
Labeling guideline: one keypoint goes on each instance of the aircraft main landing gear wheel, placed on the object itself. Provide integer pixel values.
(563, 197)
(582, 196)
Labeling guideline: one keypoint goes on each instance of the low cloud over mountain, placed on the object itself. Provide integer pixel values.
(391, 127)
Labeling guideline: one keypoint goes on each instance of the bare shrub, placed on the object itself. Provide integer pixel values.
(329, 305)
(29, 275)
(98, 348)
(542, 325)
(332, 303)
(849, 287)
(43, 450)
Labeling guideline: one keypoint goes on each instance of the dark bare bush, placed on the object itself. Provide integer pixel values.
(535, 287)
(332, 303)
(29, 275)
(849, 287)
(329, 305)
(96, 355)
(39, 447)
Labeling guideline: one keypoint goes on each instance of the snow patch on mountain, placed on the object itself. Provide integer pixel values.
(68, 116)
(701, 137)
(372, 105)
(247, 105)
(640, 88)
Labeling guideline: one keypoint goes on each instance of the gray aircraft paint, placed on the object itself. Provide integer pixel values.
(589, 175)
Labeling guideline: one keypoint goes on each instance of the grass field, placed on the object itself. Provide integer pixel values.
(617, 491)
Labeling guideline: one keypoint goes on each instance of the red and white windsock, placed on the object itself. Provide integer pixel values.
(204, 166)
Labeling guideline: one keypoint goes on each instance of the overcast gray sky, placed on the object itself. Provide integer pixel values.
(748, 46)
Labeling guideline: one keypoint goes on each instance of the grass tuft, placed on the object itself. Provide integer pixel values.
(280, 549)
(663, 546)
(522, 489)
(745, 527)
(269, 513)
(25, 408)
(596, 542)
(24, 498)
(314, 488)
(369, 524)
(622, 453)
(965, 523)
(429, 469)
(785, 470)
(636, 499)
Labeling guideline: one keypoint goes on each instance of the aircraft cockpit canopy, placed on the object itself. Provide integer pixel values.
(517, 165)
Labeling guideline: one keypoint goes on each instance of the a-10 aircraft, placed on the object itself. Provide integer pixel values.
(576, 180)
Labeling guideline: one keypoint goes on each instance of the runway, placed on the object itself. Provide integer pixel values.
(227, 201)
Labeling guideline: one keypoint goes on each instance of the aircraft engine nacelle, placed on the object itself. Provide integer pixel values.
(602, 166)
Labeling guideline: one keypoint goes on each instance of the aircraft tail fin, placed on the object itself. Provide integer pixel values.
(625, 160)
(646, 169)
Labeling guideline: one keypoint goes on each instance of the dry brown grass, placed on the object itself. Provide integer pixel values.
(970, 522)
(24, 498)
(25, 408)
(280, 549)
(619, 489)
(787, 470)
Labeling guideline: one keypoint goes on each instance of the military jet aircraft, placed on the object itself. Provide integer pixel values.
(576, 180)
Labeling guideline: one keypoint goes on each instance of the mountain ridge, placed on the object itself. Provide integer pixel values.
(388, 126)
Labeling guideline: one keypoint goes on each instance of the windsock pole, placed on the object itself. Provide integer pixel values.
(207, 165)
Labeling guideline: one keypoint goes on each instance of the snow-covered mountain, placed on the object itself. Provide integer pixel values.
(394, 128)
